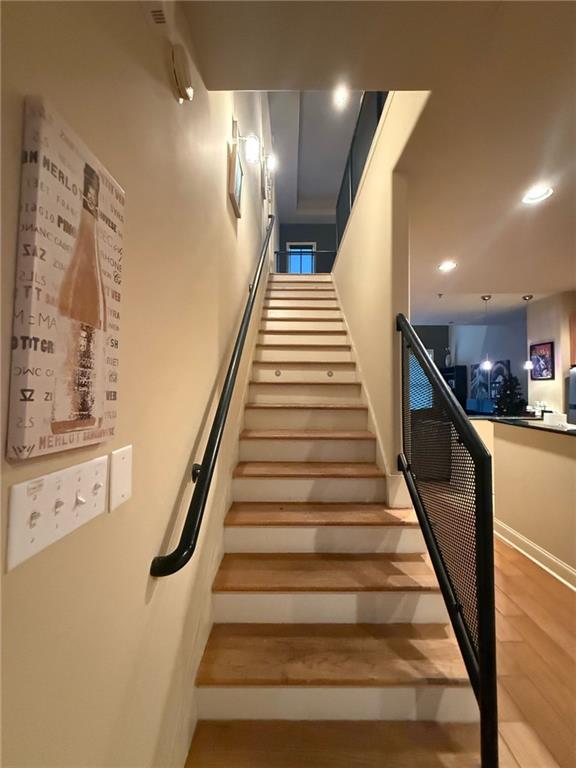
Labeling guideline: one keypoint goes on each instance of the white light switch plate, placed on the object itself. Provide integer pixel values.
(47, 508)
(120, 476)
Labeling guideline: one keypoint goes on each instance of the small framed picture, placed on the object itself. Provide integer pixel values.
(235, 179)
(542, 357)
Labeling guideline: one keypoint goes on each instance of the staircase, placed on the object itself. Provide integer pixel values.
(331, 644)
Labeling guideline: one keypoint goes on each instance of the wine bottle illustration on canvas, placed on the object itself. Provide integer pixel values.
(78, 399)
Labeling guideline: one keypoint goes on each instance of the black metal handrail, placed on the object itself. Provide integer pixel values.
(323, 253)
(448, 471)
(371, 107)
(164, 565)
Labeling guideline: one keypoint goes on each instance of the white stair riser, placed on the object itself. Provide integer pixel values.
(355, 490)
(324, 354)
(301, 314)
(295, 418)
(326, 292)
(294, 304)
(323, 339)
(278, 277)
(302, 325)
(437, 703)
(308, 450)
(303, 372)
(283, 392)
(329, 608)
(331, 539)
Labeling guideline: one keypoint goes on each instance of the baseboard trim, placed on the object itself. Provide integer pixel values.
(550, 563)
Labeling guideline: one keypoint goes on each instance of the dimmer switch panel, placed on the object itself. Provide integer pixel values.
(47, 508)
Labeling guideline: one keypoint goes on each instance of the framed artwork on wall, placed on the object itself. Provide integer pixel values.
(498, 375)
(542, 357)
(66, 323)
(235, 173)
(479, 388)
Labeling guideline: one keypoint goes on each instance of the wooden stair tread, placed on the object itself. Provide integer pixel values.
(284, 285)
(306, 514)
(307, 307)
(305, 434)
(304, 469)
(324, 573)
(304, 319)
(271, 296)
(333, 744)
(341, 405)
(366, 655)
(280, 290)
(309, 364)
(304, 332)
(302, 345)
(328, 382)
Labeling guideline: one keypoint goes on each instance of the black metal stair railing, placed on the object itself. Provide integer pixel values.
(448, 471)
(164, 565)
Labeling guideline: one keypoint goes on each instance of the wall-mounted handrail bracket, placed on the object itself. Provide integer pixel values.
(448, 472)
(164, 565)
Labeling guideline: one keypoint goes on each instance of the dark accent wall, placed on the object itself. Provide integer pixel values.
(324, 235)
(436, 337)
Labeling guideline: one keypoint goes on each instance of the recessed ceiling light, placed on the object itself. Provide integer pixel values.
(341, 96)
(528, 296)
(447, 266)
(537, 194)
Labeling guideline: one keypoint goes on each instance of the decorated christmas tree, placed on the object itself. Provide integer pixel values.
(510, 401)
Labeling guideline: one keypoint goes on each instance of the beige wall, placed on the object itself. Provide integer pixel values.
(371, 274)
(99, 659)
(549, 320)
(535, 492)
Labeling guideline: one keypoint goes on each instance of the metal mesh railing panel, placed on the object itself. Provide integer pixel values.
(444, 473)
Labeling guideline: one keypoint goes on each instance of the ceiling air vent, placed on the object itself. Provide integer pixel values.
(157, 14)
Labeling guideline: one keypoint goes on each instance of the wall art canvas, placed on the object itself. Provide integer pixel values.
(478, 382)
(64, 367)
(235, 179)
(542, 357)
(500, 371)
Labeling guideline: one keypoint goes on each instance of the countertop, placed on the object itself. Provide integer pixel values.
(527, 423)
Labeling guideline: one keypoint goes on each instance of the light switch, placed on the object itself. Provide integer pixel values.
(120, 476)
(47, 508)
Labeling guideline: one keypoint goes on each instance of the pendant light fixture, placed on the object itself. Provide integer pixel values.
(528, 365)
(486, 365)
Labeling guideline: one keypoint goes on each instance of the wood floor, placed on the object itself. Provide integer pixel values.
(536, 634)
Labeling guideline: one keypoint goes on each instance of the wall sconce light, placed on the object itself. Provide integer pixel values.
(272, 163)
(181, 74)
(251, 148)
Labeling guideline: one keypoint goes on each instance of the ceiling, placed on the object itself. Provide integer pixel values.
(501, 116)
(311, 139)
